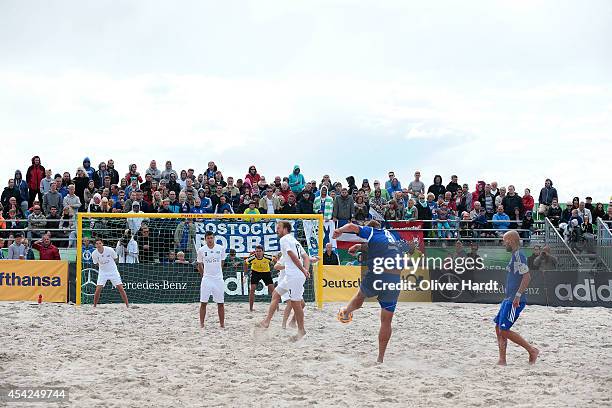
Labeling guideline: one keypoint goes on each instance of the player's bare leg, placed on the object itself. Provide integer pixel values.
(298, 313)
(265, 323)
(123, 295)
(517, 339)
(97, 295)
(292, 323)
(202, 313)
(252, 296)
(221, 310)
(286, 314)
(270, 290)
(384, 334)
(355, 303)
(502, 344)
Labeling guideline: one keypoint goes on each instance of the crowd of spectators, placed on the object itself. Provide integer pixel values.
(44, 204)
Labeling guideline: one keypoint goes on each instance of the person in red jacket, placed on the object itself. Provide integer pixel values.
(528, 201)
(48, 251)
(478, 193)
(252, 176)
(34, 175)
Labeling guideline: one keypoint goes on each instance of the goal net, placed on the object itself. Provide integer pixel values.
(157, 253)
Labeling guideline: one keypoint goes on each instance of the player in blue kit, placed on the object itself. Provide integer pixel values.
(517, 281)
(380, 244)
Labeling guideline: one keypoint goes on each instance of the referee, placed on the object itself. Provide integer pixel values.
(260, 266)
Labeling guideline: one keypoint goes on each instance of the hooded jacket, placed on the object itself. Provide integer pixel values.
(34, 175)
(478, 195)
(21, 186)
(88, 169)
(296, 181)
(437, 188)
(351, 184)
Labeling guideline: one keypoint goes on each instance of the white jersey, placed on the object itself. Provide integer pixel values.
(212, 258)
(105, 260)
(289, 243)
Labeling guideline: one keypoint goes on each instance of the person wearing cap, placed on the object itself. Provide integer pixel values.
(17, 250)
(296, 180)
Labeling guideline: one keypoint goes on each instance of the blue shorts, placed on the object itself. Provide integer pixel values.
(507, 314)
(387, 299)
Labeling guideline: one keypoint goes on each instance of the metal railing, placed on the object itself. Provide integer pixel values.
(604, 243)
(565, 256)
(472, 234)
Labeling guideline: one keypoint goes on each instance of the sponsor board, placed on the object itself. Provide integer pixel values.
(244, 236)
(27, 280)
(341, 282)
(551, 288)
(158, 284)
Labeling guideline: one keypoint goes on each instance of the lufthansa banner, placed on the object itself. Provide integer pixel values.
(341, 282)
(27, 280)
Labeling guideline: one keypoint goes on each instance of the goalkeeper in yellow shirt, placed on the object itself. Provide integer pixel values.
(259, 265)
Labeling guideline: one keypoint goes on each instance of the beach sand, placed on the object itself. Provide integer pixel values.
(440, 355)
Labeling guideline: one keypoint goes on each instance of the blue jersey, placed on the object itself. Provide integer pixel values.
(381, 243)
(516, 268)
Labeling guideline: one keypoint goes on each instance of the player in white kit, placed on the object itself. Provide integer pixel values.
(210, 257)
(105, 257)
(297, 263)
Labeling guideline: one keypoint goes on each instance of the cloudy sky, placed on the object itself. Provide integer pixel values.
(512, 91)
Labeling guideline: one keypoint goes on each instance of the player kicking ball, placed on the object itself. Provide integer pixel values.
(210, 257)
(106, 259)
(380, 244)
(517, 281)
(297, 263)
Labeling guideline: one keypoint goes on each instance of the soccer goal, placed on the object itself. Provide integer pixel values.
(157, 253)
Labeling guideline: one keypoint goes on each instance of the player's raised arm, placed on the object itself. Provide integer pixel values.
(352, 228)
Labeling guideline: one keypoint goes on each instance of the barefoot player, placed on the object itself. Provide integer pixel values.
(106, 258)
(210, 257)
(297, 263)
(380, 244)
(517, 281)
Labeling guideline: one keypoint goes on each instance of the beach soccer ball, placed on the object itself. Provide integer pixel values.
(344, 317)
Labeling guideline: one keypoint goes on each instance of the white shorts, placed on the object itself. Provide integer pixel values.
(291, 288)
(114, 277)
(214, 287)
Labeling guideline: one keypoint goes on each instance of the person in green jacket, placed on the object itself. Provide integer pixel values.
(296, 180)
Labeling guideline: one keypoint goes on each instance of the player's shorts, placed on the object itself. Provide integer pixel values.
(508, 314)
(214, 287)
(291, 286)
(114, 277)
(266, 277)
(371, 286)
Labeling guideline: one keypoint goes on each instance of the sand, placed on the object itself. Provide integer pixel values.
(440, 355)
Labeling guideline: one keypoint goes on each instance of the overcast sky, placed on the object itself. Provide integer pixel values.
(513, 91)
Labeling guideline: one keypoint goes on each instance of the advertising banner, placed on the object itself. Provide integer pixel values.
(156, 283)
(28, 280)
(340, 283)
(551, 288)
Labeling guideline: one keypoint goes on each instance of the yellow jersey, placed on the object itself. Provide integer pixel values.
(260, 265)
